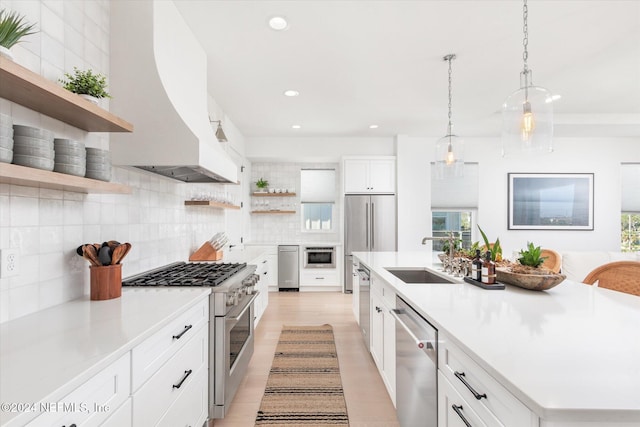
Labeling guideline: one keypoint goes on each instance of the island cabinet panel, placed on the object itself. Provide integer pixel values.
(383, 333)
(453, 409)
(493, 403)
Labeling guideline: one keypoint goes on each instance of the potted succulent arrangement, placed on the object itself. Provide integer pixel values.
(86, 84)
(13, 27)
(262, 185)
(528, 271)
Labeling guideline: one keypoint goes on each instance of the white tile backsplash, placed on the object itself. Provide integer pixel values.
(46, 226)
(286, 228)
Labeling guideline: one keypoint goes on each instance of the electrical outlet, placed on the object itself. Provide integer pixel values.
(9, 263)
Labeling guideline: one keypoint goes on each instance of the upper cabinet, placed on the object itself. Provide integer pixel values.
(24, 87)
(370, 175)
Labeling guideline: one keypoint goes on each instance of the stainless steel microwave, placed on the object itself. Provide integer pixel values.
(320, 257)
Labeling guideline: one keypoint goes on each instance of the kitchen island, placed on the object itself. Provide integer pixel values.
(571, 354)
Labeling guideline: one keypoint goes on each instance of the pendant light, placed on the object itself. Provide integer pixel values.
(527, 114)
(450, 148)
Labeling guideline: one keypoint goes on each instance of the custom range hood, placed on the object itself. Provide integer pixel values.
(158, 81)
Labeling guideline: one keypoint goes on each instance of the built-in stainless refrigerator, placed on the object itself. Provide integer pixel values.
(369, 226)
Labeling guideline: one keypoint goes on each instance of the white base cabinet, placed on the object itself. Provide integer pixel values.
(266, 268)
(453, 410)
(383, 333)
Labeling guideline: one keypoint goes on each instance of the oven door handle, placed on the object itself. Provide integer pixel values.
(246, 307)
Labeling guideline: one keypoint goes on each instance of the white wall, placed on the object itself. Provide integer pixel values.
(602, 156)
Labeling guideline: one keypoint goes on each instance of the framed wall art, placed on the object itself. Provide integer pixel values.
(550, 201)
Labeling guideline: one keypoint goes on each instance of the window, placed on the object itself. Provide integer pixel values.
(630, 218)
(453, 205)
(317, 216)
(460, 221)
(317, 197)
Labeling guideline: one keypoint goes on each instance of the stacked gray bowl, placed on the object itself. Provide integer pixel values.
(6, 138)
(98, 164)
(70, 157)
(33, 147)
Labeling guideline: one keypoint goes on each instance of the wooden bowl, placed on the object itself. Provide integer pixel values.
(534, 282)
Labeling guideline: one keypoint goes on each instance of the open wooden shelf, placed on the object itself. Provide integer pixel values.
(210, 203)
(31, 177)
(272, 212)
(273, 194)
(24, 87)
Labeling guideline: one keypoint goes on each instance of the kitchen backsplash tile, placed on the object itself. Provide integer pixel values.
(284, 228)
(47, 226)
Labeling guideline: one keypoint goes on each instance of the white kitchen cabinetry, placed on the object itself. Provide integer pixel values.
(453, 410)
(370, 175)
(486, 398)
(355, 300)
(266, 267)
(121, 417)
(320, 279)
(93, 402)
(383, 333)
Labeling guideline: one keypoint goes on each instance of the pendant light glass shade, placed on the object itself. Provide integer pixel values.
(450, 148)
(527, 114)
(527, 120)
(449, 157)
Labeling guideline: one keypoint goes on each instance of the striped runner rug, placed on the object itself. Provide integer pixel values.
(304, 386)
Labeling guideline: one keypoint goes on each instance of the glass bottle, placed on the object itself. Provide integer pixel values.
(476, 267)
(488, 270)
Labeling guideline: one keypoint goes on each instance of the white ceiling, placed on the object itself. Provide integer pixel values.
(357, 63)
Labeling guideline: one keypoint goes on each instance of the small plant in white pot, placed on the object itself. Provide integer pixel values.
(262, 185)
(86, 84)
(12, 28)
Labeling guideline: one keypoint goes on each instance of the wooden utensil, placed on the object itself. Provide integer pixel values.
(89, 253)
(118, 253)
(127, 249)
(113, 244)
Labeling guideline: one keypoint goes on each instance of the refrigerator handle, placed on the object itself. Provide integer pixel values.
(373, 226)
(366, 222)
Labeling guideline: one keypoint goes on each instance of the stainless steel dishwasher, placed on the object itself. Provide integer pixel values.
(364, 289)
(416, 368)
(288, 268)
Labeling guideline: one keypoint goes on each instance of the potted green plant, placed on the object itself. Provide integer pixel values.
(528, 271)
(262, 185)
(495, 248)
(86, 84)
(13, 27)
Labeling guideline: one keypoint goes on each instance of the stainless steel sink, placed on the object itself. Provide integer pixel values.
(412, 275)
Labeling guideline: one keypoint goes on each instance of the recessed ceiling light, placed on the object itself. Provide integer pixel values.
(373, 126)
(291, 92)
(278, 23)
(295, 126)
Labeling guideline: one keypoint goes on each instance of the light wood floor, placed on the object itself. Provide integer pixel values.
(368, 403)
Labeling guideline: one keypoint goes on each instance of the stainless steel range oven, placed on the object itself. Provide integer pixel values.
(320, 257)
(231, 328)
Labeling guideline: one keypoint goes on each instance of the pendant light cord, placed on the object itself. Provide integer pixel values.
(449, 58)
(525, 40)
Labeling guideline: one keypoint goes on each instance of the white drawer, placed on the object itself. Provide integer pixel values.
(171, 380)
(388, 295)
(94, 401)
(191, 408)
(149, 355)
(499, 404)
(450, 401)
(121, 417)
(319, 277)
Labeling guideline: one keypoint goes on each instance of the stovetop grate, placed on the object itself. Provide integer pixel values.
(187, 274)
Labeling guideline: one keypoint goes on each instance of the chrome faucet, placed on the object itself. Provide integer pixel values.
(451, 239)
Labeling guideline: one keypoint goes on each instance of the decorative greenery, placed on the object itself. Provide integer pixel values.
(13, 28)
(471, 252)
(495, 248)
(262, 183)
(86, 83)
(457, 243)
(531, 256)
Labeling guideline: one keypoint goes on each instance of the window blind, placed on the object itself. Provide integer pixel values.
(455, 192)
(630, 176)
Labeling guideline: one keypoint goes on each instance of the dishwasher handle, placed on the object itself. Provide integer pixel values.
(425, 345)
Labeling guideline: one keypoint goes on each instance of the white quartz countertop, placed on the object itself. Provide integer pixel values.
(571, 353)
(45, 355)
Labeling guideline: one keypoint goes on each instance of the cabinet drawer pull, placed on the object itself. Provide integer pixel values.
(186, 328)
(458, 410)
(186, 375)
(460, 376)
(319, 278)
